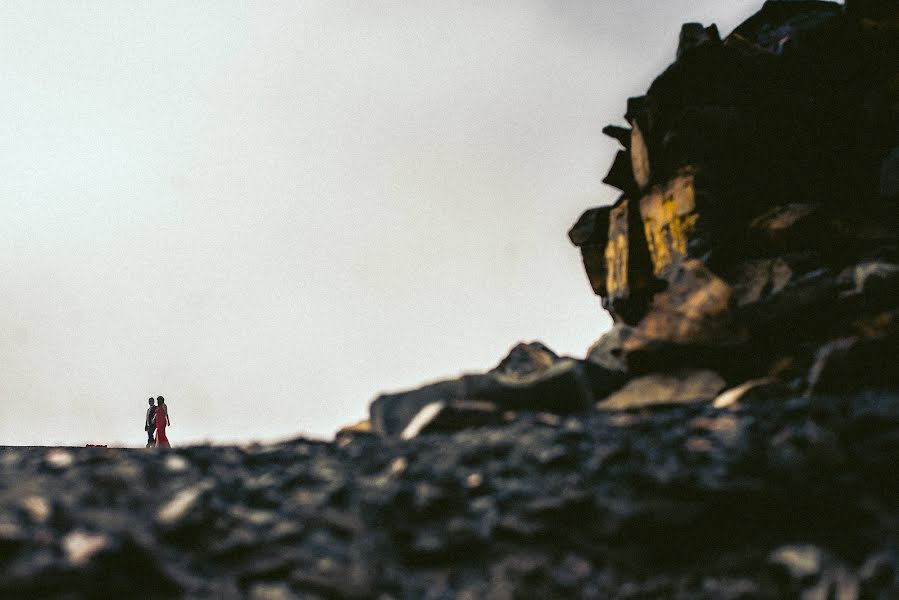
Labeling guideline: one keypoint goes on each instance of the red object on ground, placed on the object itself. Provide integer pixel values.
(161, 440)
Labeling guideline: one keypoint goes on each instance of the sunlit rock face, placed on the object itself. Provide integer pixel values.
(735, 435)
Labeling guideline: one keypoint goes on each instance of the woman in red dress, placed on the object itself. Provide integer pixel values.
(162, 420)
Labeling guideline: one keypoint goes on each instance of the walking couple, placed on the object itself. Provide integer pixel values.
(157, 420)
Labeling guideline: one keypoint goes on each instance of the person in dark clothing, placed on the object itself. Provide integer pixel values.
(150, 424)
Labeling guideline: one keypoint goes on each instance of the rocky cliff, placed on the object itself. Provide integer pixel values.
(735, 435)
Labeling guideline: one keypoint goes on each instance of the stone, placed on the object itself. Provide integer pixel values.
(781, 25)
(451, 416)
(59, 459)
(630, 282)
(589, 496)
(744, 46)
(182, 504)
(877, 283)
(877, 572)
(620, 174)
(591, 233)
(253, 517)
(530, 378)
(346, 434)
(838, 583)
(753, 390)
(526, 359)
(838, 365)
(12, 537)
(660, 389)
(695, 310)
(38, 509)
(800, 561)
(723, 427)
(548, 419)
(694, 34)
(673, 224)
(271, 591)
(708, 138)
(389, 414)
(758, 279)
(788, 227)
(622, 134)
(474, 480)
(616, 258)
(804, 303)
(398, 466)
(591, 227)
(563, 387)
(176, 464)
(639, 154)
(706, 124)
(80, 546)
(608, 350)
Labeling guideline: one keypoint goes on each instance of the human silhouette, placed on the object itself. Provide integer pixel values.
(150, 423)
(162, 420)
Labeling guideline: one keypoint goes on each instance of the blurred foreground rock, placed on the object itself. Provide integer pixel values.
(782, 497)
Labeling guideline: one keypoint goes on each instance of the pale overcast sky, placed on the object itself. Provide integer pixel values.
(269, 212)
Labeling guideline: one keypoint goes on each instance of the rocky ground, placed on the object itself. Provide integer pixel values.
(772, 498)
(735, 435)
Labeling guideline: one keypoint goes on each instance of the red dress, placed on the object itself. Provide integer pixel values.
(161, 440)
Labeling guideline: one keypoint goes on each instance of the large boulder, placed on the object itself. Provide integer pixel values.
(526, 359)
(530, 378)
(691, 321)
(591, 234)
(608, 350)
(662, 389)
(390, 414)
(443, 416)
(563, 387)
(870, 358)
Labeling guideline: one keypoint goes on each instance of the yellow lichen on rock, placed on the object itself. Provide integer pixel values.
(669, 219)
(616, 251)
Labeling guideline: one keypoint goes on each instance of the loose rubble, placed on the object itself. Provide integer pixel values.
(772, 498)
(735, 434)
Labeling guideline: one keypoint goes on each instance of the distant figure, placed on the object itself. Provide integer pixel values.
(162, 420)
(150, 424)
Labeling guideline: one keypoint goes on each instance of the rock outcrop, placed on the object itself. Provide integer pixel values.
(753, 236)
(531, 378)
(735, 435)
(758, 203)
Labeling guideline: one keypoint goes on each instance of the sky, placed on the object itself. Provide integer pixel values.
(271, 212)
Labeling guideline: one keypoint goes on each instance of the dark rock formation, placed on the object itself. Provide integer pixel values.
(758, 226)
(531, 378)
(734, 436)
